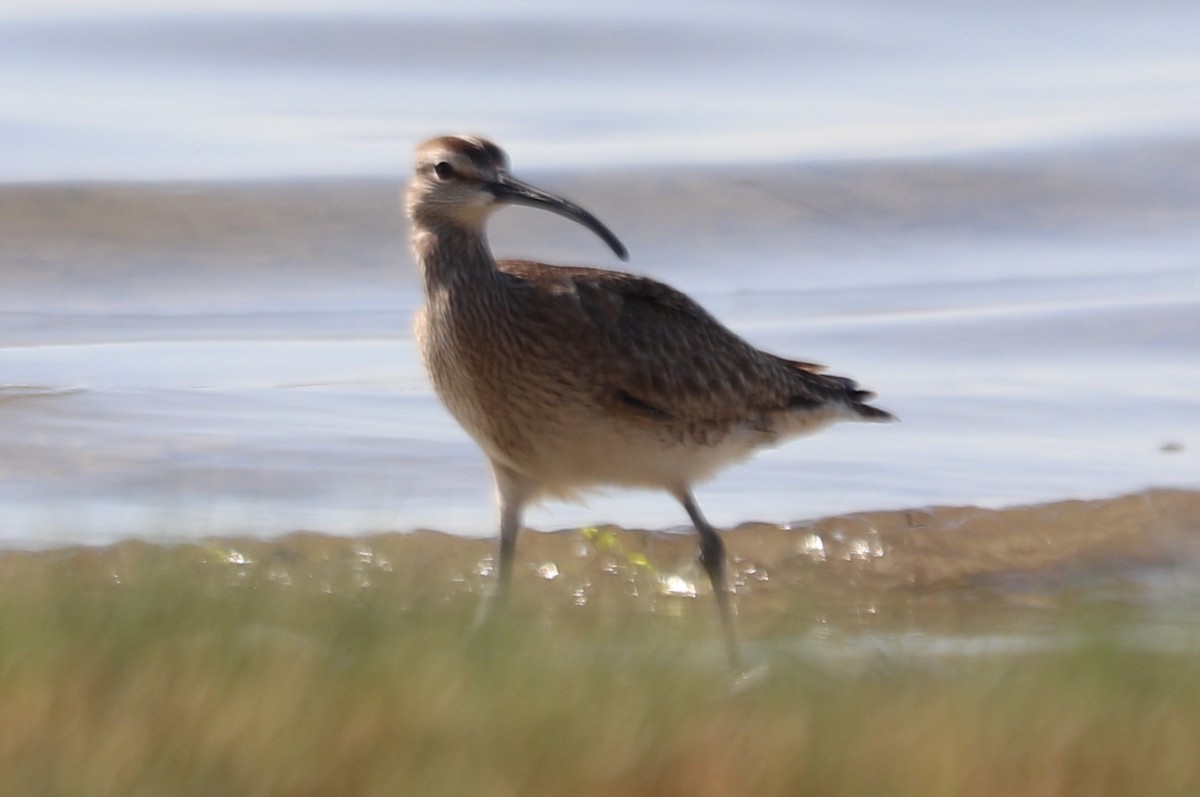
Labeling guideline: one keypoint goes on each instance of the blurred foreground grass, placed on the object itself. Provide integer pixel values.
(315, 666)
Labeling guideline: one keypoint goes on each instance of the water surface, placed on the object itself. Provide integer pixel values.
(988, 216)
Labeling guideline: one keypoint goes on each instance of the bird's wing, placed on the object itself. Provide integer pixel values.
(664, 356)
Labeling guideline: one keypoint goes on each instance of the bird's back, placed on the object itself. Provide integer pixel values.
(665, 351)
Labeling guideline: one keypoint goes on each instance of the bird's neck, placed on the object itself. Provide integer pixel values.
(450, 255)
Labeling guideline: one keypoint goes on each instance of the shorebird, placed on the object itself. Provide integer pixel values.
(572, 378)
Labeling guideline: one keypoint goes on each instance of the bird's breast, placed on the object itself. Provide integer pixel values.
(501, 375)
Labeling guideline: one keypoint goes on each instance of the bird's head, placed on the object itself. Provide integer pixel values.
(461, 180)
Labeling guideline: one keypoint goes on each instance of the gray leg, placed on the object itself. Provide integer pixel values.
(712, 556)
(510, 489)
(511, 494)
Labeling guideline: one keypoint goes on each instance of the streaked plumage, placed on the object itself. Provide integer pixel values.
(571, 378)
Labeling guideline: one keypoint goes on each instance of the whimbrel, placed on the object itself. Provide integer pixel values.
(571, 378)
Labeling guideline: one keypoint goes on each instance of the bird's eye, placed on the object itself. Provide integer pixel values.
(443, 170)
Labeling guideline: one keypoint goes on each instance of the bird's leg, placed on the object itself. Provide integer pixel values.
(712, 556)
(511, 494)
(510, 524)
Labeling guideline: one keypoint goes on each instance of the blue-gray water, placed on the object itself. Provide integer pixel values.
(991, 216)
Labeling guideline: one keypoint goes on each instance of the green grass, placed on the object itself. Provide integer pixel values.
(316, 669)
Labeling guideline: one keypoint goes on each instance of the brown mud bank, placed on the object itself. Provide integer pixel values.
(938, 569)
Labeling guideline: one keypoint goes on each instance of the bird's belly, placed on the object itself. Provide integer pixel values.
(567, 447)
(639, 457)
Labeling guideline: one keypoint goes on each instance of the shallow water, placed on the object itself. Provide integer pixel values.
(992, 225)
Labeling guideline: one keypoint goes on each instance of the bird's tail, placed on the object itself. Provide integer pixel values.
(873, 414)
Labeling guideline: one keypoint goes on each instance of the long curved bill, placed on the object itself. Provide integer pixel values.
(512, 191)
